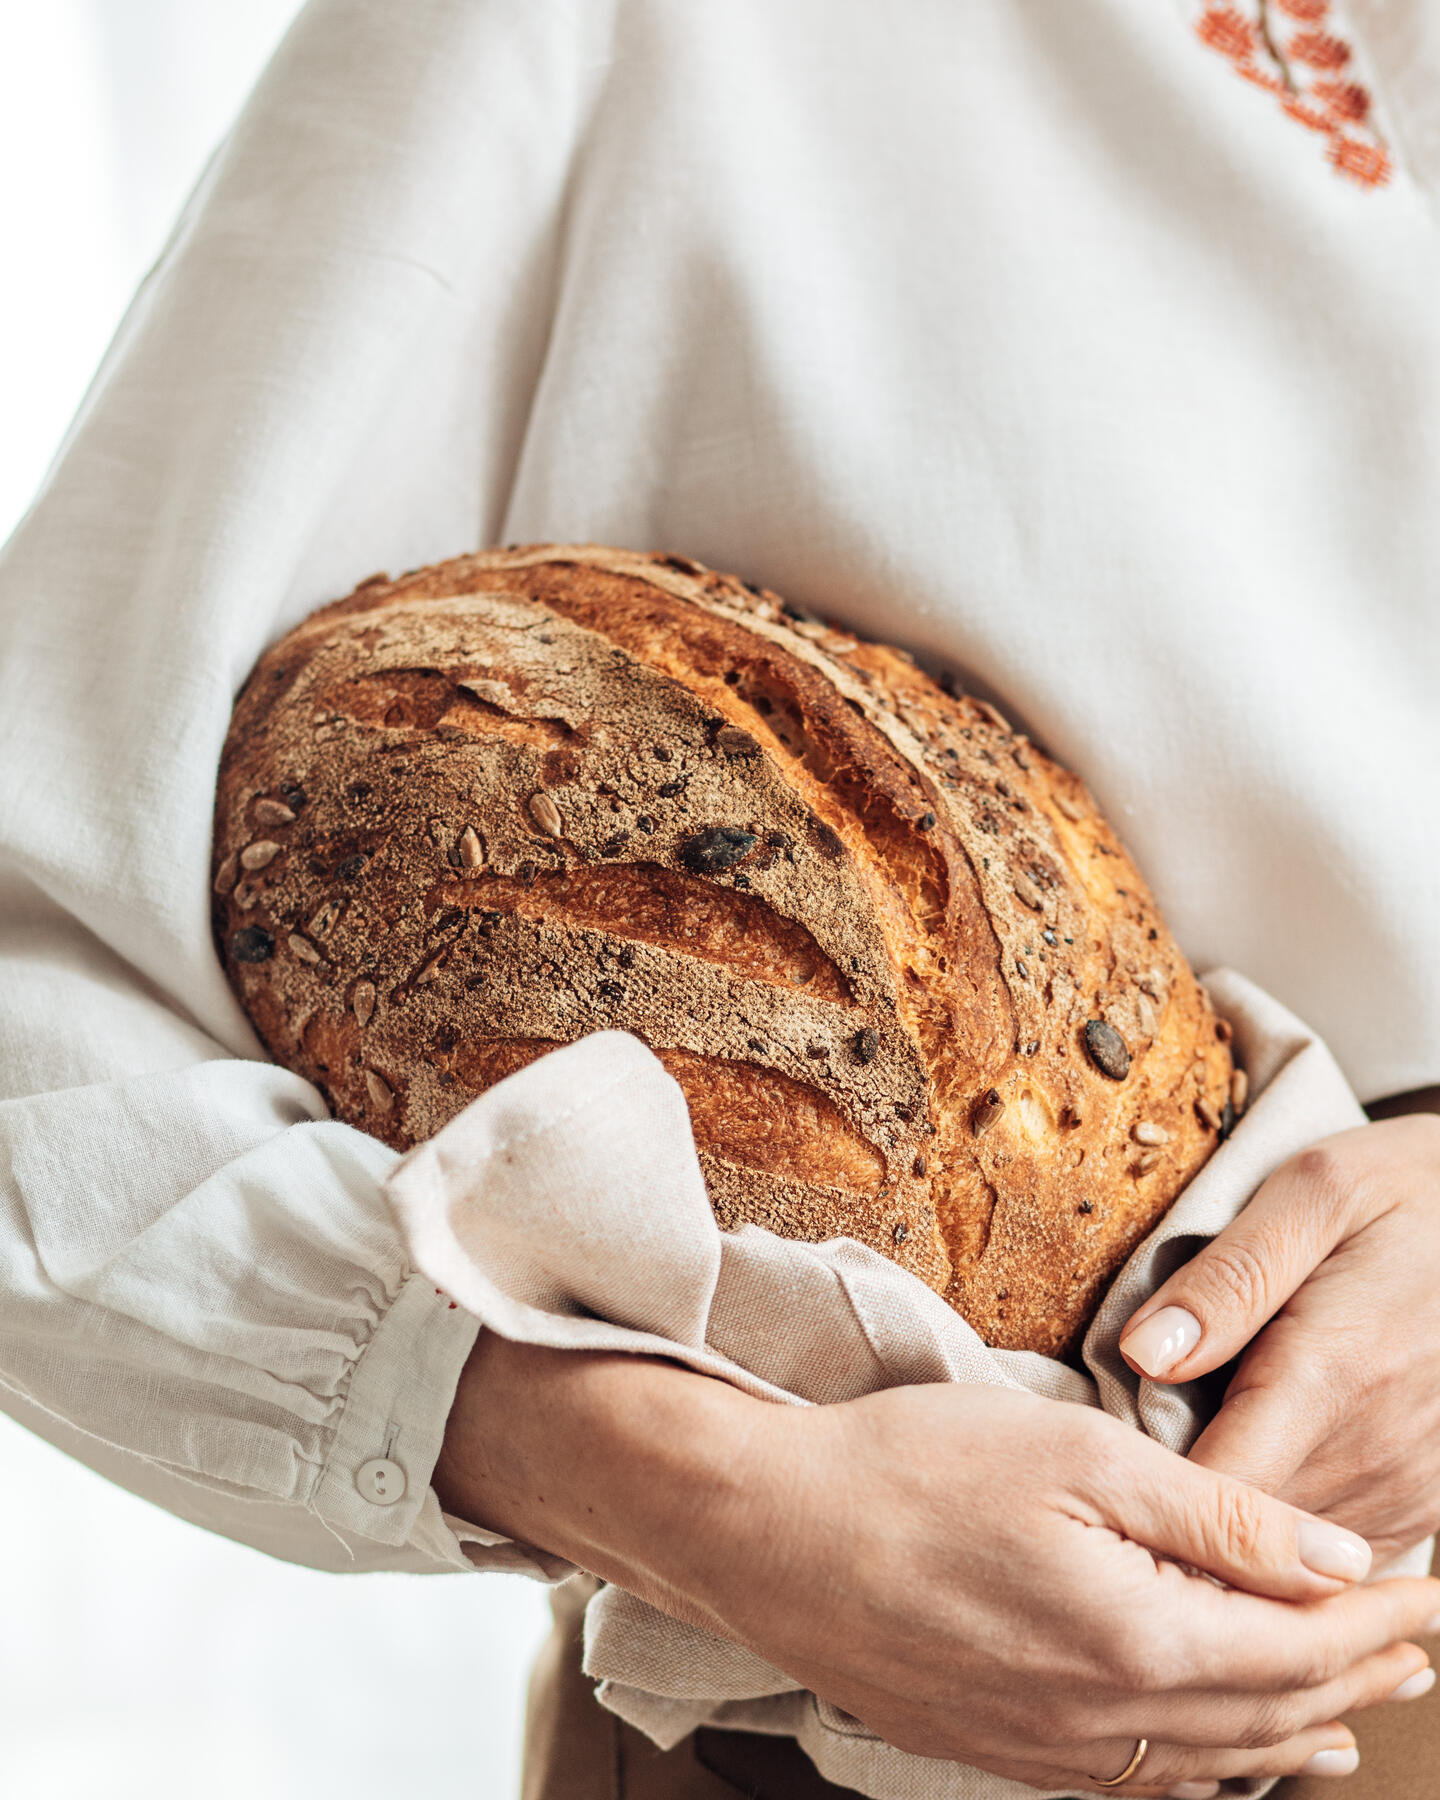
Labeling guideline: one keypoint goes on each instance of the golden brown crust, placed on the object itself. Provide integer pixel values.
(911, 983)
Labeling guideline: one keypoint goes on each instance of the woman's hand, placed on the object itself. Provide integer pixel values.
(974, 1573)
(1335, 1405)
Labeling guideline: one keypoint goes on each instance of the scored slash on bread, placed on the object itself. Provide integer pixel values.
(912, 986)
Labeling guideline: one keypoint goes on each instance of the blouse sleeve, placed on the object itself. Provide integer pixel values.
(202, 1291)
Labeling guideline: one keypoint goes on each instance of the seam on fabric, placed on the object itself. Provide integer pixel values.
(315, 1513)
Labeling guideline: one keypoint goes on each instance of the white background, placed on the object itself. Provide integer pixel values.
(141, 1659)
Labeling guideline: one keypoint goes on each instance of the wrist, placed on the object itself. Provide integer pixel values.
(633, 1468)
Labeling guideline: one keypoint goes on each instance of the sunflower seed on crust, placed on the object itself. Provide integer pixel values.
(546, 814)
(362, 1002)
(271, 812)
(227, 874)
(472, 851)
(1146, 1162)
(1028, 891)
(1072, 809)
(379, 1091)
(303, 948)
(1239, 1090)
(987, 1110)
(431, 969)
(259, 855)
(1146, 1131)
(1209, 1113)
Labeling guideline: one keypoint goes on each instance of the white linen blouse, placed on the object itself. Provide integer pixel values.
(1025, 332)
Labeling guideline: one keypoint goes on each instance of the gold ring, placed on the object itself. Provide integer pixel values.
(1134, 1763)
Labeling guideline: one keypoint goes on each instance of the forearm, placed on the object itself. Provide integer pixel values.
(631, 1467)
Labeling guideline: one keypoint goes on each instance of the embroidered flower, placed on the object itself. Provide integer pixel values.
(1318, 49)
(1228, 31)
(1347, 98)
(1308, 116)
(1301, 68)
(1368, 163)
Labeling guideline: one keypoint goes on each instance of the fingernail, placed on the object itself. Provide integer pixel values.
(1333, 1762)
(1432, 1628)
(1415, 1686)
(1331, 1550)
(1166, 1338)
(1195, 1790)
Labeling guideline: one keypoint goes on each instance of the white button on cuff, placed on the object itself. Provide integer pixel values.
(382, 1482)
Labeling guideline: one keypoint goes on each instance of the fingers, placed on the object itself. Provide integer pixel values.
(1318, 1660)
(1209, 1310)
(1223, 1526)
(1257, 1721)
(1184, 1770)
(1324, 1749)
(1176, 1770)
(1320, 1747)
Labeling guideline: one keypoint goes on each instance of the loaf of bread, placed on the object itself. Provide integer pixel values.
(912, 986)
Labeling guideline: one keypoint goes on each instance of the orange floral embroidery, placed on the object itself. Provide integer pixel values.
(1228, 31)
(1368, 163)
(1306, 115)
(1319, 49)
(1347, 98)
(1301, 70)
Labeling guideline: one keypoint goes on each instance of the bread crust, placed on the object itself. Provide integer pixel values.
(912, 985)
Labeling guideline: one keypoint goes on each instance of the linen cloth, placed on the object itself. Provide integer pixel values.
(1022, 332)
(566, 1208)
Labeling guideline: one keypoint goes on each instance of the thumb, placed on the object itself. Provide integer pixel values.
(1225, 1528)
(1208, 1311)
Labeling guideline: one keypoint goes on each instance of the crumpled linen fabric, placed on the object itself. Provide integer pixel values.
(1022, 333)
(566, 1208)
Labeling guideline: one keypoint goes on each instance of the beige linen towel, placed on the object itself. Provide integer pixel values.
(566, 1207)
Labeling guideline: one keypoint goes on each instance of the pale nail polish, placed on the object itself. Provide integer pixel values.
(1164, 1339)
(1195, 1790)
(1417, 1685)
(1331, 1550)
(1333, 1762)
